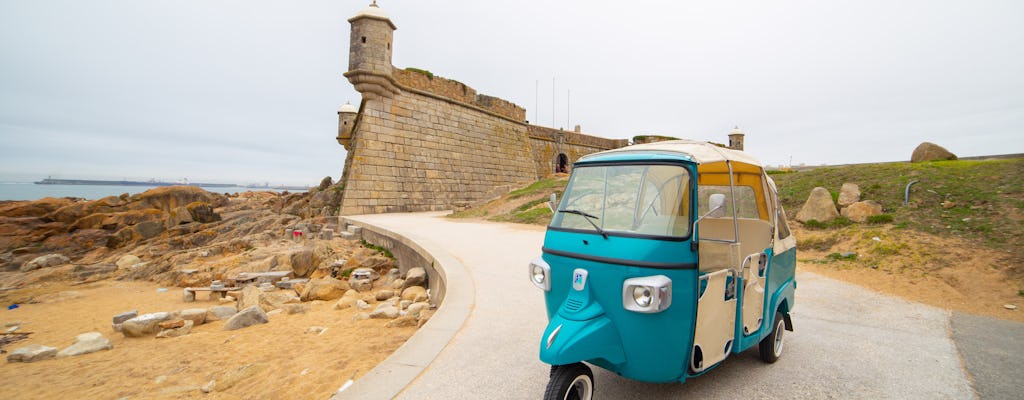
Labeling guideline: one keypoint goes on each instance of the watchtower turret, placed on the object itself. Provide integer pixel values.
(736, 139)
(346, 122)
(369, 54)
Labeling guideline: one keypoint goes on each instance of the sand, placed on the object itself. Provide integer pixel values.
(276, 360)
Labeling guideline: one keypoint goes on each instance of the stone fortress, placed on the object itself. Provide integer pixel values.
(419, 142)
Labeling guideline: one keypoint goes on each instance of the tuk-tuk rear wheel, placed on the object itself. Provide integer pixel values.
(570, 382)
(771, 346)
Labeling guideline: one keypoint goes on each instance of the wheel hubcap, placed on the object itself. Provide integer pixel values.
(581, 388)
(779, 333)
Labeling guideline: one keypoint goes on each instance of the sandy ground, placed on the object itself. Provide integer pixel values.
(948, 273)
(277, 360)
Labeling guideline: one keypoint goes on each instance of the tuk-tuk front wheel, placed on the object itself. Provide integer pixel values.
(570, 382)
(771, 346)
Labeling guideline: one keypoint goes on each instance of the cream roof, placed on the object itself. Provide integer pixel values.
(701, 152)
(371, 10)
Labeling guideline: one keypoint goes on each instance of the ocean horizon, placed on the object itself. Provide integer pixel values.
(20, 191)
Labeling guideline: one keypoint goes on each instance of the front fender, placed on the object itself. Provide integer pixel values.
(566, 341)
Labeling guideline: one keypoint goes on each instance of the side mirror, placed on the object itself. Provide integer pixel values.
(553, 203)
(717, 204)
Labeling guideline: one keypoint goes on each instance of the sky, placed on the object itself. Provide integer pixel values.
(248, 91)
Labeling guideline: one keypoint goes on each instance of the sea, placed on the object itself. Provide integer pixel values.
(31, 191)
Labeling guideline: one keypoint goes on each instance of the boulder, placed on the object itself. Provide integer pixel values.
(418, 276)
(385, 294)
(144, 324)
(303, 262)
(248, 317)
(362, 305)
(819, 207)
(416, 308)
(324, 289)
(278, 299)
(32, 353)
(369, 258)
(177, 331)
(220, 312)
(196, 315)
(928, 151)
(178, 216)
(414, 294)
(87, 343)
(345, 302)
(127, 315)
(849, 194)
(397, 284)
(361, 285)
(202, 212)
(326, 183)
(861, 210)
(295, 308)
(49, 260)
(127, 261)
(172, 323)
(250, 296)
(386, 312)
(360, 317)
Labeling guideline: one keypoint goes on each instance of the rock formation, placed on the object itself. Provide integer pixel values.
(928, 151)
(819, 207)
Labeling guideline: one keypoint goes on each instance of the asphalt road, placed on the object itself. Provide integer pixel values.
(993, 352)
(849, 342)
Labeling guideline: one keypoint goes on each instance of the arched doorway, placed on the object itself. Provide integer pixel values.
(562, 164)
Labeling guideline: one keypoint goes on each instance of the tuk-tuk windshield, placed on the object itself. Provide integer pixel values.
(627, 199)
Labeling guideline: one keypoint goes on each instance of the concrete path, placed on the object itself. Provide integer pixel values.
(849, 342)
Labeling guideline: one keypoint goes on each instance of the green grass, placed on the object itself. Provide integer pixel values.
(381, 250)
(984, 199)
(543, 185)
(837, 222)
(430, 75)
(536, 216)
(880, 219)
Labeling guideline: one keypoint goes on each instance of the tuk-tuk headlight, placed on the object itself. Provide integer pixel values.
(540, 274)
(642, 296)
(649, 294)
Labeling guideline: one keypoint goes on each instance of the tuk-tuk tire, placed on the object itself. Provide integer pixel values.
(771, 346)
(564, 377)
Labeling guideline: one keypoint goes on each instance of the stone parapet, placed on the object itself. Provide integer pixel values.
(457, 91)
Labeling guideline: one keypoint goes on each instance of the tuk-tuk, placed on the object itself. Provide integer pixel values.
(662, 260)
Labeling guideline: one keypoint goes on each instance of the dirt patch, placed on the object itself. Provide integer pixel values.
(270, 361)
(950, 273)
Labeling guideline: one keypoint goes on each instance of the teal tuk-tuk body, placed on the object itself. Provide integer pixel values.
(662, 260)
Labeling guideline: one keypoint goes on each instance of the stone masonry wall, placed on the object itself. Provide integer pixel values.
(458, 91)
(413, 152)
(547, 143)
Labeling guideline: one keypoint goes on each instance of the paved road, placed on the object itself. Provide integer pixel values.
(849, 342)
(993, 352)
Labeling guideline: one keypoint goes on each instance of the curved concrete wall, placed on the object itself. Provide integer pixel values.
(451, 289)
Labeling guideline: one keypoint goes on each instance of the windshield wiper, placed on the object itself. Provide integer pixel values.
(587, 217)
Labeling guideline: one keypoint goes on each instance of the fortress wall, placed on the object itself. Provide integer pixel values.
(458, 91)
(547, 143)
(414, 152)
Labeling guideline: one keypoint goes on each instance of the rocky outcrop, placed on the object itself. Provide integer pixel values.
(861, 210)
(928, 151)
(819, 207)
(220, 312)
(47, 261)
(176, 330)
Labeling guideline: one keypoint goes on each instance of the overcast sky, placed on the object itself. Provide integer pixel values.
(247, 91)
